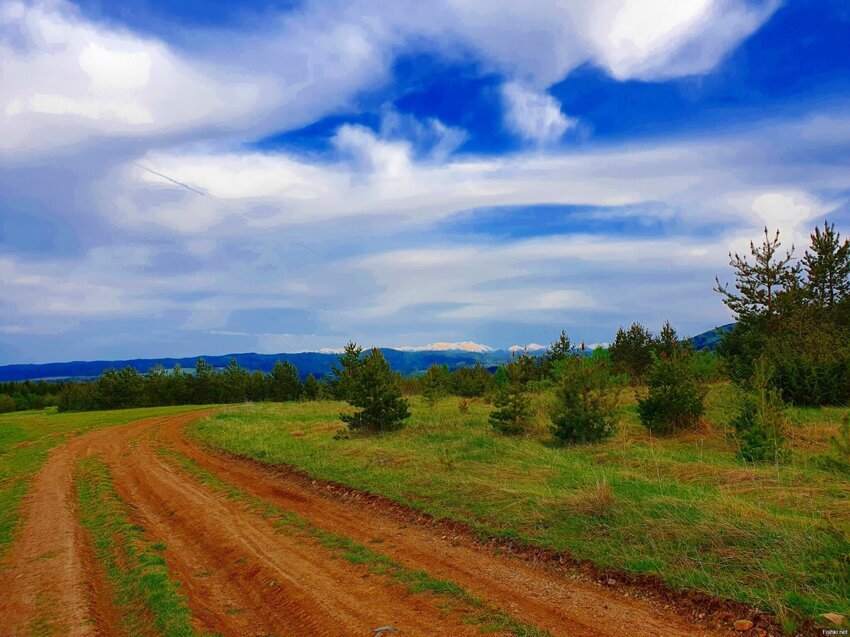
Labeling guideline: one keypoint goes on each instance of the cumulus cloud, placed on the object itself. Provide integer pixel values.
(533, 115)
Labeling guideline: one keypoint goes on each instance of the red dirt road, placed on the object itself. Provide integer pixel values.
(243, 577)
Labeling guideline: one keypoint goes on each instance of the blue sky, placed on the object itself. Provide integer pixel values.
(192, 177)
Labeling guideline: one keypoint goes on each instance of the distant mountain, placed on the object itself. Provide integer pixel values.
(463, 346)
(709, 340)
(531, 347)
(408, 362)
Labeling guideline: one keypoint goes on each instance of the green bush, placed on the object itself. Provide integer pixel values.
(675, 400)
(761, 420)
(586, 398)
(7, 404)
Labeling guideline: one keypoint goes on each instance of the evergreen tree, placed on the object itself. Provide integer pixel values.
(233, 383)
(204, 384)
(668, 340)
(436, 382)
(675, 400)
(759, 424)
(120, 389)
(312, 387)
(632, 351)
(373, 387)
(586, 399)
(284, 382)
(760, 283)
(559, 350)
(257, 387)
(157, 387)
(470, 382)
(500, 378)
(345, 369)
(513, 407)
(827, 267)
(179, 389)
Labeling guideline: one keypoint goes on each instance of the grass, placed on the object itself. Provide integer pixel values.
(145, 596)
(25, 439)
(455, 597)
(684, 508)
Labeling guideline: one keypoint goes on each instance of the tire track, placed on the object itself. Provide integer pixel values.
(529, 592)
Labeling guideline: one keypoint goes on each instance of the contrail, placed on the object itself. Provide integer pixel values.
(188, 187)
(221, 203)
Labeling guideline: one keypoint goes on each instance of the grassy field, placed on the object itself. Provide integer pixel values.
(27, 436)
(684, 508)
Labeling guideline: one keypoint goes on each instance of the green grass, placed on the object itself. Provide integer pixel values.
(27, 436)
(454, 597)
(683, 508)
(143, 593)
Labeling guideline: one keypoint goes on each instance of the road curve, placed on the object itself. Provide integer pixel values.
(242, 576)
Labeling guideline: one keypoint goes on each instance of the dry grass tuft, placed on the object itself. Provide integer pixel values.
(597, 500)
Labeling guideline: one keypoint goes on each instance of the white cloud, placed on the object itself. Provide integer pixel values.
(67, 79)
(533, 115)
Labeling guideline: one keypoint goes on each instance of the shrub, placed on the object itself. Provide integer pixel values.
(511, 415)
(374, 387)
(7, 403)
(761, 420)
(675, 400)
(436, 383)
(586, 398)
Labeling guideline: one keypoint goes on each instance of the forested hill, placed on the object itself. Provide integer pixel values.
(316, 363)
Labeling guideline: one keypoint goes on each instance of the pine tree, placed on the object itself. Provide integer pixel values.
(827, 267)
(759, 284)
(436, 383)
(234, 383)
(557, 351)
(311, 387)
(586, 400)
(204, 384)
(284, 382)
(759, 424)
(631, 352)
(513, 407)
(675, 400)
(344, 370)
(374, 388)
(668, 340)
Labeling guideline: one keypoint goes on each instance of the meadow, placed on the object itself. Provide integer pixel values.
(684, 508)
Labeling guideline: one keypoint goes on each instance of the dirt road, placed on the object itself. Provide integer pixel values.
(243, 577)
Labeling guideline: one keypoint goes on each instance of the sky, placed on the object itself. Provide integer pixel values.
(183, 178)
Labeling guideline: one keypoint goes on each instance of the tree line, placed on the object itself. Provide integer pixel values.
(790, 345)
(127, 387)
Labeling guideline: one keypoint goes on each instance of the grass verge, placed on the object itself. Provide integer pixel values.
(26, 437)
(454, 597)
(136, 570)
(685, 508)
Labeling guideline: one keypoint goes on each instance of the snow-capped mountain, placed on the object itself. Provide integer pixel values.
(531, 347)
(463, 346)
